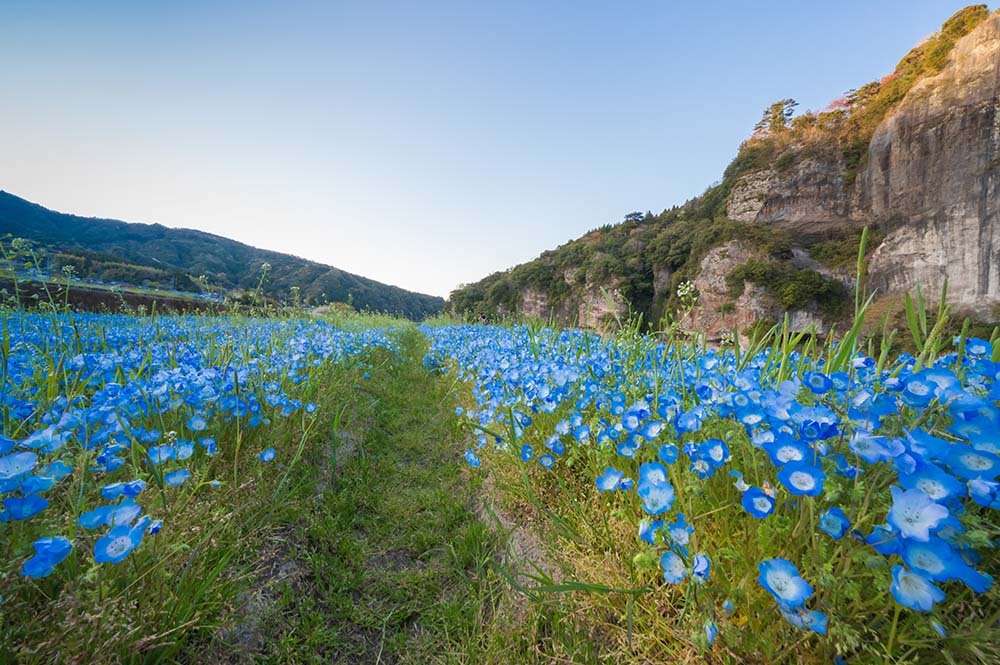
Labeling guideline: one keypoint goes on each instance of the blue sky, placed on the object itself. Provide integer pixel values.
(423, 144)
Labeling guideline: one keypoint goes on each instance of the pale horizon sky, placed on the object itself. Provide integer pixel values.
(419, 144)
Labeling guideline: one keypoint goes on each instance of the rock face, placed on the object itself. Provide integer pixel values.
(931, 178)
(933, 169)
(718, 313)
(808, 198)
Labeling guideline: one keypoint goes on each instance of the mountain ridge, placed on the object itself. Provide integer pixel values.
(138, 252)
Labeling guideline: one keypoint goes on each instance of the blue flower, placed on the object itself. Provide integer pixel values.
(781, 579)
(472, 458)
(711, 630)
(701, 568)
(967, 462)
(118, 543)
(818, 382)
(608, 481)
(800, 617)
(680, 531)
(17, 465)
(757, 503)
(654, 489)
(914, 513)
(786, 449)
(49, 552)
(177, 478)
(834, 522)
(526, 453)
(715, 451)
(648, 530)
(938, 562)
(933, 482)
(668, 453)
(197, 423)
(267, 455)
(802, 478)
(22, 508)
(547, 460)
(913, 590)
(673, 566)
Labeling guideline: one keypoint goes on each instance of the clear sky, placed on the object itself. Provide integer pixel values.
(423, 144)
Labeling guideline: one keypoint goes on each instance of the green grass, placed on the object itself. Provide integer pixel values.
(390, 563)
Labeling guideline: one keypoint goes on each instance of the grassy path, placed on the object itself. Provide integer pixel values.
(397, 565)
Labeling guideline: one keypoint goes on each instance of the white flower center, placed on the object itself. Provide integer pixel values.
(118, 546)
(932, 488)
(802, 480)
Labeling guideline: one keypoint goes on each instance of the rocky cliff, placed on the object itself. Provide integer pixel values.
(914, 155)
(929, 178)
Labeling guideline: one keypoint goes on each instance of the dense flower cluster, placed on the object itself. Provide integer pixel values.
(921, 440)
(87, 398)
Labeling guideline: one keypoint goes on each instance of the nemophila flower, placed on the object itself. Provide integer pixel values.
(873, 448)
(582, 433)
(22, 508)
(154, 527)
(781, 579)
(673, 567)
(757, 503)
(648, 530)
(740, 484)
(197, 423)
(701, 568)
(49, 552)
(626, 484)
(715, 451)
(967, 462)
(914, 513)
(786, 449)
(608, 480)
(800, 617)
(472, 458)
(986, 493)
(547, 460)
(913, 590)
(57, 470)
(885, 539)
(630, 446)
(918, 390)
(160, 454)
(701, 466)
(651, 430)
(17, 465)
(802, 478)
(177, 478)
(183, 449)
(934, 482)
(711, 630)
(834, 522)
(37, 484)
(118, 543)
(817, 382)
(526, 453)
(267, 455)
(654, 489)
(680, 531)
(668, 453)
(936, 560)
(727, 606)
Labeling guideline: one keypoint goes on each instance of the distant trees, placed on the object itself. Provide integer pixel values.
(776, 117)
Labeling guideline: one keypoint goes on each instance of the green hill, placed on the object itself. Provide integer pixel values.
(156, 256)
